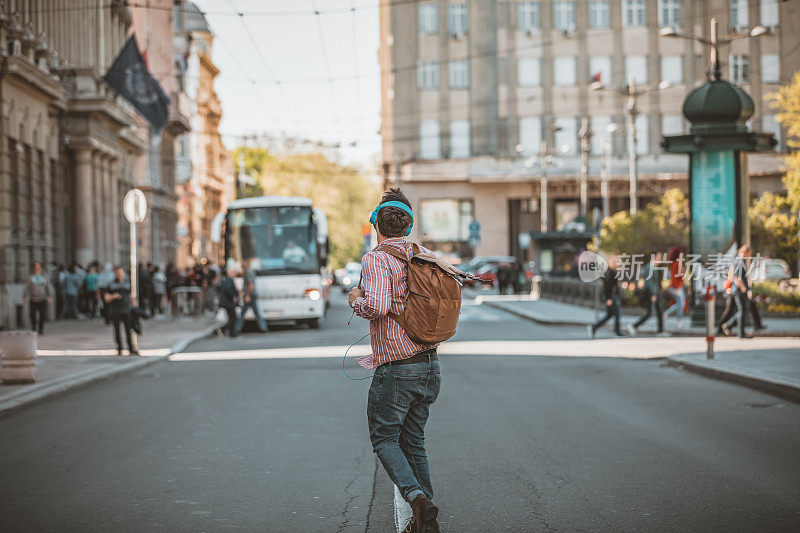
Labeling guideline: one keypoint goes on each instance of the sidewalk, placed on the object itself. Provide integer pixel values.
(559, 313)
(73, 353)
(774, 371)
(756, 363)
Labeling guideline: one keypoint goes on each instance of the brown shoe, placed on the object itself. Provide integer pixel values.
(425, 513)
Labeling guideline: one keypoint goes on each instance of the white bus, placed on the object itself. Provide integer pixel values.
(286, 240)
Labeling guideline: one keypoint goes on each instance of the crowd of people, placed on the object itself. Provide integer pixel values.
(97, 290)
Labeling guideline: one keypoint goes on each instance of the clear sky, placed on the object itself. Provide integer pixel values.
(279, 46)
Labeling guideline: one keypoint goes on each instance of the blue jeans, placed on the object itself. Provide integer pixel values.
(262, 324)
(680, 301)
(397, 409)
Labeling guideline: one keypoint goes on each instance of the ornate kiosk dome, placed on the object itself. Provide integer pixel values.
(718, 106)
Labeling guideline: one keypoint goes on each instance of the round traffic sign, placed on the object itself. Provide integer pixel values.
(134, 205)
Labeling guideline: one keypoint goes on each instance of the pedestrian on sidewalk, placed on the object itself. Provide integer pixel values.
(740, 291)
(72, 289)
(228, 300)
(90, 282)
(611, 297)
(37, 295)
(651, 292)
(118, 298)
(159, 280)
(676, 289)
(407, 376)
(250, 297)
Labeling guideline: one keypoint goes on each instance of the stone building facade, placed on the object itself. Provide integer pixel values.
(472, 90)
(208, 186)
(70, 147)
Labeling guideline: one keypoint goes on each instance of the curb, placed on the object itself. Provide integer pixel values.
(678, 332)
(776, 385)
(535, 318)
(45, 391)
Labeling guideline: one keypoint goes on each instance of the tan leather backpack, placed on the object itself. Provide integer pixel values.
(433, 300)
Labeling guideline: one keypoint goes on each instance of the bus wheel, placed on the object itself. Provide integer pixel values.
(313, 323)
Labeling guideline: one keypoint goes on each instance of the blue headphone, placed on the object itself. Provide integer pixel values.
(400, 205)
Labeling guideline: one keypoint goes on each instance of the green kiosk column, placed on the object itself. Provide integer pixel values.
(719, 188)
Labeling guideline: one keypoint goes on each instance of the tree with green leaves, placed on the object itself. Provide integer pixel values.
(343, 193)
(774, 228)
(787, 102)
(658, 226)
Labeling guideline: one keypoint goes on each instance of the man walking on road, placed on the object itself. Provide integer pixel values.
(228, 298)
(651, 293)
(249, 296)
(611, 297)
(407, 376)
(118, 298)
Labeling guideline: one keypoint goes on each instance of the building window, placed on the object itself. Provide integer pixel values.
(769, 13)
(669, 13)
(739, 66)
(459, 139)
(740, 16)
(770, 125)
(642, 135)
(527, 16)
(599, 133)
(457, 19)
(427, 74)
(633, 13)
(529, 72)
(600, 69)
(564, 71)
(428, 20)
(564, 15)
(770, 68)
(672, 125)
(445, 220)
(566, 135)
(599, 14)
(636, 67)
(672, 69)
(430, 140)
(530, 135)
(459, 74)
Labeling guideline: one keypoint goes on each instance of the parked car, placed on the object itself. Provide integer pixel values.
(771, 270)
(474, 264)
(351, 276)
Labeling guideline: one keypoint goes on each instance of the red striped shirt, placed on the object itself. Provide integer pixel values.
(383, 278)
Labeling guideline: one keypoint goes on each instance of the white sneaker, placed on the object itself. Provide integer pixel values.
(683, 323)
(590, 331)
(631, 330)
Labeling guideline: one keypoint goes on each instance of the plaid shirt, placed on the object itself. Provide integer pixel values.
(384, 281)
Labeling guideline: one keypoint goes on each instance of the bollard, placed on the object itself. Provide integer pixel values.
(710, 320)
(18, 353)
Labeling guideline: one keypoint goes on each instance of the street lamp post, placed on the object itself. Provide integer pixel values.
(632, 92)
(604, 172)
(633, 156)
(543, 186)
(585, 135)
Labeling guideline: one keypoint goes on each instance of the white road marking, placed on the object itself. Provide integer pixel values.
(635, 348)
(402, 511)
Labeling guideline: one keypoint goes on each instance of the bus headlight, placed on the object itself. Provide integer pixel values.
(313, 294)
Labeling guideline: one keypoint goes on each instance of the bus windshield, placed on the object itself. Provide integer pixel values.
(278, 239)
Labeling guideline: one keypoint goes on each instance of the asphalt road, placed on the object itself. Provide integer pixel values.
(264, 433)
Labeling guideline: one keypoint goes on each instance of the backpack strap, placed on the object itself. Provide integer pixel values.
(402, 257)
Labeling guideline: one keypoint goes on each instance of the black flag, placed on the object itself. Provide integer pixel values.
(130, 78)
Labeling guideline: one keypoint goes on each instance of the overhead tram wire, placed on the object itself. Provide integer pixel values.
(353, 20)
(318, 21)
(264, 105)
(264, 61)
